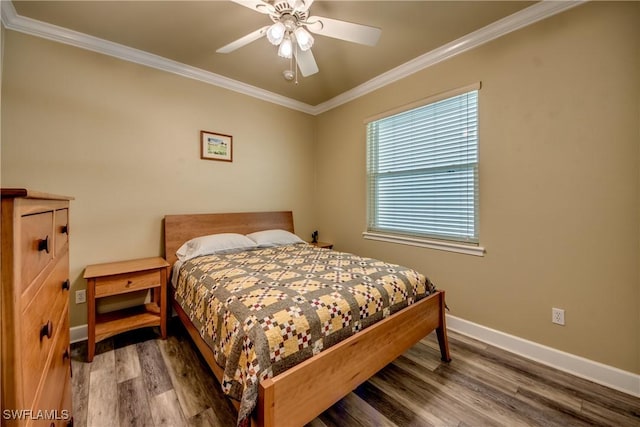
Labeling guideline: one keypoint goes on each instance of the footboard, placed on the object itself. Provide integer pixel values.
(300, 394)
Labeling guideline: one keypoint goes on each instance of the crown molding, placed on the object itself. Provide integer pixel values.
(13, 21)
(516, 21)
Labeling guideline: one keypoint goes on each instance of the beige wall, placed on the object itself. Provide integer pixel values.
(123, 139)
(559, 189)
(559, 174)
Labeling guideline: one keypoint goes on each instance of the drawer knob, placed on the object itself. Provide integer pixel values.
(43, 244)
(129, 283)
(64, 229)
(66, 285)
(46, 330)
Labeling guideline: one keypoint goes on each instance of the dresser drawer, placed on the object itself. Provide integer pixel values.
(67, 401)
(36, 245)
(127, 282)
(58, 374)
(53, 291)
(61, 230)
(41, 322)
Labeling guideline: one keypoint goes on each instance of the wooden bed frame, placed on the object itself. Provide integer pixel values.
(303, 392)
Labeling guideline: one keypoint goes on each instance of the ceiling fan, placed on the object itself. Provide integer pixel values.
(291, 30)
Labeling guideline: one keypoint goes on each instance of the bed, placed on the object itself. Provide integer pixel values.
(302, 392)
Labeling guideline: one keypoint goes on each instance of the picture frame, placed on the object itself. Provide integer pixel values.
(216, 146)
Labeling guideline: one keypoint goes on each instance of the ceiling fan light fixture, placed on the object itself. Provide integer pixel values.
(286, 48)
(304, 39)
(275, 33)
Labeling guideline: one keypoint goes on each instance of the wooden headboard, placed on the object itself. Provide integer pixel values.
(181, 228)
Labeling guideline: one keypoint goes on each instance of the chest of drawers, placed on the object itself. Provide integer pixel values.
(35, 372)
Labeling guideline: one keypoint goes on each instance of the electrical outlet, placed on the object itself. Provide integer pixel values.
(557, 316)
(81, 296)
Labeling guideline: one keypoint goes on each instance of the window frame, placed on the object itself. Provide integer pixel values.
(471, 246)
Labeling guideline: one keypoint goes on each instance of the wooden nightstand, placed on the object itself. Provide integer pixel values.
(324, 245)
(117, 278)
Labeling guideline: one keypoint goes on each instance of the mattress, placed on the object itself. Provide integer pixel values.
(262, 311)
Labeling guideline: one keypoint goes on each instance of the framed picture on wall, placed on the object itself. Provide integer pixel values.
(216, 146)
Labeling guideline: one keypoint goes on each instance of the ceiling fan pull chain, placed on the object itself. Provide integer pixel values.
(291, 62)
(296, 63)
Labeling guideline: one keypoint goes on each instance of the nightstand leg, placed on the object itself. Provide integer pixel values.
(91, 319)
(162, 302)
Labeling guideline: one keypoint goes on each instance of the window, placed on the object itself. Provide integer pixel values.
(422, 170)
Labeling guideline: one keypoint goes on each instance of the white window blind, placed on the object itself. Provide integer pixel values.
(422, 171)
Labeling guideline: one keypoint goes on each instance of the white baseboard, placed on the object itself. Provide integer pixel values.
(600, 373)
(78, 333)
(597, 372)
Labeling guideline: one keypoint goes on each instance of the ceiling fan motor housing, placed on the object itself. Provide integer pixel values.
(286, 14)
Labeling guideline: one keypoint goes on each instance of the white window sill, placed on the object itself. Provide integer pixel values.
(426, 243)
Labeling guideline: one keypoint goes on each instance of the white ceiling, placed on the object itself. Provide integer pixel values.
(182, 37)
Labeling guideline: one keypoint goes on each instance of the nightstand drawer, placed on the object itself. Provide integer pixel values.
(127, 282)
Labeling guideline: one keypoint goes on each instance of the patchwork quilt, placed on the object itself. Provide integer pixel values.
(263, 311)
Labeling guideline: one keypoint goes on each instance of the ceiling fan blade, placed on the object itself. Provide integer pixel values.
(343, 30)
(257, 5)
(243, 41)
(306, 62)
(301, 5)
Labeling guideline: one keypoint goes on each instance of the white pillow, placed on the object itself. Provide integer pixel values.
(214, 243)
(269, 238)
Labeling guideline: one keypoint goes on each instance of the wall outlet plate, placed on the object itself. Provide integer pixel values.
(557, 316)
(81, 296)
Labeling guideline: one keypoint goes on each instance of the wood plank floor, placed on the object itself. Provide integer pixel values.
(137, 379)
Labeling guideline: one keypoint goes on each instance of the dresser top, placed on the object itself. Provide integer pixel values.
(30, 194)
